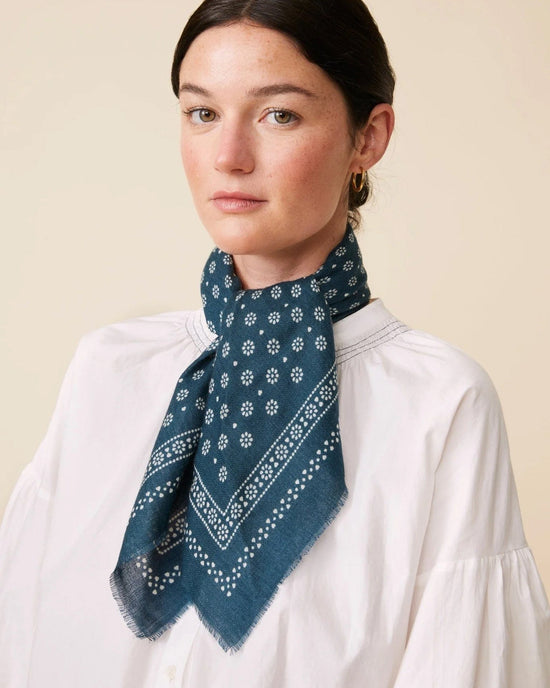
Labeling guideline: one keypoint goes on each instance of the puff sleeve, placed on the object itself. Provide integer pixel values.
(480, 617)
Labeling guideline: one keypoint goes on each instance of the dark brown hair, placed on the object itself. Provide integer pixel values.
(340, 36)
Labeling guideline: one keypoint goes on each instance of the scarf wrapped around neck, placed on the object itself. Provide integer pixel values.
(247, 470)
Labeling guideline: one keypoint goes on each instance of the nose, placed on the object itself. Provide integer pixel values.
(234, 149)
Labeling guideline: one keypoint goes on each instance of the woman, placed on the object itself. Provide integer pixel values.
(329, 499)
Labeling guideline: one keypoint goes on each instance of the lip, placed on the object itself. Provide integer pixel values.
(237, 195)
(236, 201)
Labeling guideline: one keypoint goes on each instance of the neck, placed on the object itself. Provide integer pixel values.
(303, 259)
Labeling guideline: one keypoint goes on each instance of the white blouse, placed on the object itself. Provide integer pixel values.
(423, 580)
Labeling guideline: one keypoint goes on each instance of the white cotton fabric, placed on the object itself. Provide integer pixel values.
(424, 579)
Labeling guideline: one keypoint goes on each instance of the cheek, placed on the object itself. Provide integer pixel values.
(193, 163)
(189, 164)
(312, 168)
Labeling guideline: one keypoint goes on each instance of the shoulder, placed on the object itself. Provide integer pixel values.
(129, 342)
(419, 363)
(455, 385)
(428, 357)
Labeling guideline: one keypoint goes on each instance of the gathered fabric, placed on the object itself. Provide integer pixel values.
(247, 470)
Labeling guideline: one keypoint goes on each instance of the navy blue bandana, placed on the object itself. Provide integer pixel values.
(247, 469)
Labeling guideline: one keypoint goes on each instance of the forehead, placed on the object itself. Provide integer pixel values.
(243, 56)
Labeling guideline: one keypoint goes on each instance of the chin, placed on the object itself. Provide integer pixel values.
(238, 236)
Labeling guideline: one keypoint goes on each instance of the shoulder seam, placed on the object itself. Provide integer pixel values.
(387, 332)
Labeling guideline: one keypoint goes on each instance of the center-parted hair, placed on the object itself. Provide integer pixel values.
(340, 36)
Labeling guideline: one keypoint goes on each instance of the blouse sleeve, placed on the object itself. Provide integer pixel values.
(23, 540)
(480, 617)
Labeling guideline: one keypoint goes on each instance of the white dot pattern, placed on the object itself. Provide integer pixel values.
(230, 494)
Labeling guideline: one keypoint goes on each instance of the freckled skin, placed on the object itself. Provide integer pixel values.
(300, 168)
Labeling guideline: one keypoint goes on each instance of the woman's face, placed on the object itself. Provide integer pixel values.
(265, 143)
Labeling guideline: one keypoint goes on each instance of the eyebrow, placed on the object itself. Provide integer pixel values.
(260, 92)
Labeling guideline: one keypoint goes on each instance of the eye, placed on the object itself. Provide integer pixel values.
(282, 117)
(200, 115)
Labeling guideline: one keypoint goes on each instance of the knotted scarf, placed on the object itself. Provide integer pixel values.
(247, 470)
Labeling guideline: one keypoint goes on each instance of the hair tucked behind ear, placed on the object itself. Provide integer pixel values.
(340, 36)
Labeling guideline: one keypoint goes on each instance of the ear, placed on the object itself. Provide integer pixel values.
(372, 140)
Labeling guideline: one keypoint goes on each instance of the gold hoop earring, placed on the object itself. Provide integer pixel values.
(359, 186)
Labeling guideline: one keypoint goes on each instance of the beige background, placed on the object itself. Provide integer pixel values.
(97, 223)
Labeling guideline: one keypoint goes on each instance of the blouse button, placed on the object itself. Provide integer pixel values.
(170, 672)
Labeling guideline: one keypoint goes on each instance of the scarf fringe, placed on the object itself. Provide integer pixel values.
(231, 649)
(129, 619)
